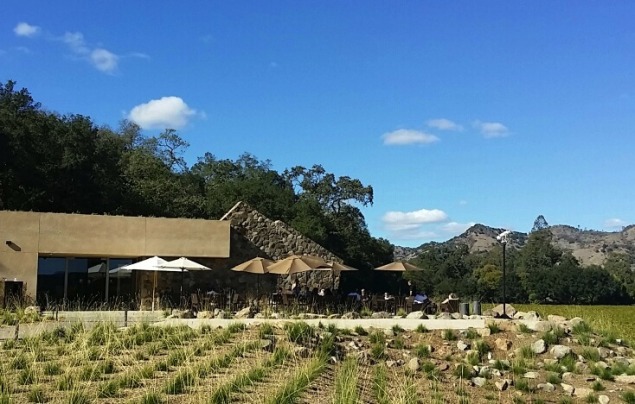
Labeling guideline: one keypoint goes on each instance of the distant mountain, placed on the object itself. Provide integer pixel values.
(588, 246)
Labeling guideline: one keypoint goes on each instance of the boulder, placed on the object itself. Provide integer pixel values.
(503, 344)
(531, 375)
(502, 385)
(539, 347)
(350, 315)
(604, 352)
(479, 381)
(301, 352)
(568, 389)
(31, 311)
(560, 351)
(462, 346)
(556, 319)
(603, 399)
(380, 314)
(417, 315)
(244, 313)
(498, 310)
(625, 379)
(546, 387)
(413, 364)
(583, 392)
(182, 314)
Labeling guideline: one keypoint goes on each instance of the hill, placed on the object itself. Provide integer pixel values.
(590, 247)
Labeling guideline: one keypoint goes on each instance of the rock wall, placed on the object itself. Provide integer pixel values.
(277, 240)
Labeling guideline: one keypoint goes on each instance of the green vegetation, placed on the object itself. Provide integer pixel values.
(346, 383)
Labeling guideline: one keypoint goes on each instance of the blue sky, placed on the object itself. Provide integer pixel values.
(455, 112)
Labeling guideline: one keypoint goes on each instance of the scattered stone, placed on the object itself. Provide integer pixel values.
(391, 364)
(333, 360)
(417, 315)
(350, 315)
(301, 352)
(603, 399)
(380, 314)
(389, 333)
(556, 319)
(625, 379)
(532, 316)
(568, 389)
(601, 364)
(462, 346)
(444, 316)
(244, 313)
(31, 310)
(413, 364)
(498, 310)
(444, 366)
(484, 332)
(604, 352)
(581, 367)
(205, 314)
(182, 314)
(531, 375)
(583, 392)
(479, 381)
(539, 347)
(267, 344)
(546, 387)
(333, 316)
(567, 376)
(560, 351)
(220, 314)
(503, 344)
(621, 362)
(575, 321)
(502, 385)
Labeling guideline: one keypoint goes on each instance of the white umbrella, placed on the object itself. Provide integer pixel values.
(150, 264)
(184, 264)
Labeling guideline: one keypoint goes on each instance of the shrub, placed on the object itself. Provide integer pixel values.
(482, 347)
(66, 382)
(449, 335)
(52, 368)
(422, 351)
(399, 343)
(463, 371)
(554, 378)
(396, 329)
(377, 351)
(36, 395)
(236, 327)
(19, 362)
(493, 328)
(598, 386)
(500, 365)
(151, 397)
(592, 398)
(522, 327)
(78, 397)
(299, 332)
(27, 376)
(471, 334)
(526, 352)
(377, 337)
(265, 330)
(628, 397)
(582, 328)
(421, 329)
(473, 358)
(523, 385)
(591, 354)
(108, 389)
(401, 312)
(550, 338)
(359, 330)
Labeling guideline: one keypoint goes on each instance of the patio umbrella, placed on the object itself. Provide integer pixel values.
(398, 266)
(150, 264)
(184, 264)
(256, 265)
(338, 268)
(296, 264)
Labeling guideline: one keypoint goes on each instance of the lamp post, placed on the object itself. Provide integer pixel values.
(503, 238)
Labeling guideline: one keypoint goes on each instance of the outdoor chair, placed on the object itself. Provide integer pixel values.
(233, 305)
(409, 304)
(194, 302)
(451, 304)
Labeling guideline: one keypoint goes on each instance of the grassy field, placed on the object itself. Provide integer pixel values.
(617, 320)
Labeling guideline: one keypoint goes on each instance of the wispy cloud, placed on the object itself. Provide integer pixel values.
(404, 137)
(423, 225)
(26, 30)
(166, 112)
(614, 223)
(444, 124)
(102, 59)
(491, 130)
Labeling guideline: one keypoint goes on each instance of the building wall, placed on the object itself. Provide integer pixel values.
(55, 234)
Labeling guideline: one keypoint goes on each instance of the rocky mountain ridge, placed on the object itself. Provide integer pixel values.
(590, 247)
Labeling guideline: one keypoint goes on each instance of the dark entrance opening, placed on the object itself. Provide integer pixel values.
(13, 294)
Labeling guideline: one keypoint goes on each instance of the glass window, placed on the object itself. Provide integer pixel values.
(50, 281)
(86, 289)
(121, 284)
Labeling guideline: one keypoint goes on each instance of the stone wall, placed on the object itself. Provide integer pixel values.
(276, 240)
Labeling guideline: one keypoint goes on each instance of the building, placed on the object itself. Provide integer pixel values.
(56, 257)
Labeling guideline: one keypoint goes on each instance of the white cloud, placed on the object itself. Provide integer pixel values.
(614, 223)
(75, 41)
(444, 124)
(423, 225)
(104, 60)
(26, 30)
(491, 129)
(166, 112)
(408, 136)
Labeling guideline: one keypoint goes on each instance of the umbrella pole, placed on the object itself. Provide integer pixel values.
(181, 297)
(154, 287)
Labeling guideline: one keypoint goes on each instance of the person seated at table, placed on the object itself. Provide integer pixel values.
(355, 295)
(315, 292)
(412, 291)
(295, 289)
(304, 292)
(363, 296)
(328, 292)
(421, 298)
(322, 292)
(388, 296)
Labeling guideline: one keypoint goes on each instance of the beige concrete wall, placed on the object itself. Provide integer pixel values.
(55, 234)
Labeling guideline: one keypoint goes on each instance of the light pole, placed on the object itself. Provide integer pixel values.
(503, 238)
